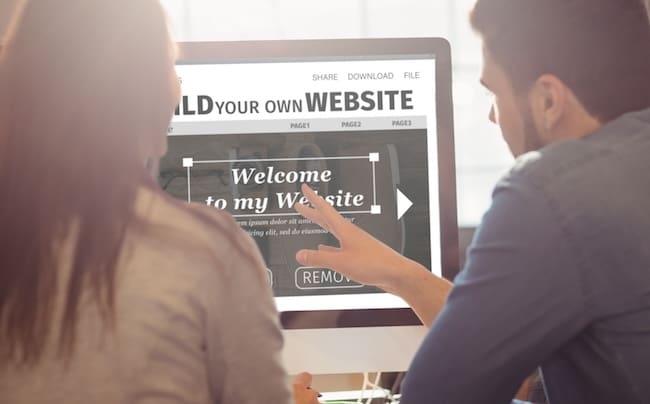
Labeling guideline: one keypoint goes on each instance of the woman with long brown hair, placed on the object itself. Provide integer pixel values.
(109, 290)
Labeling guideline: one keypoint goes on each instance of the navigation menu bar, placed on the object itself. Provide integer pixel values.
(297, 125)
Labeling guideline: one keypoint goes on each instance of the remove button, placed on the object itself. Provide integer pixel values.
(322, 278)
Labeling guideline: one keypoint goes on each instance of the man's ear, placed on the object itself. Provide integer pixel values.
(549, 99)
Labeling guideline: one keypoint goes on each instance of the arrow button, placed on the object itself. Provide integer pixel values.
(403, 204)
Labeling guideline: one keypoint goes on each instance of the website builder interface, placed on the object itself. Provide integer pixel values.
(361, 133)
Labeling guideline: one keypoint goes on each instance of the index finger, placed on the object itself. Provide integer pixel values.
(303, 380)
(332, 218)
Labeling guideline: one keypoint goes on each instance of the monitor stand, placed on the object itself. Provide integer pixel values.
(351, 350)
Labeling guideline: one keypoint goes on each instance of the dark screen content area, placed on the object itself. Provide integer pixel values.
(257, 178)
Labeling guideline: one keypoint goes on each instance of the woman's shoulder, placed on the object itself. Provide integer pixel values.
(160, 208)
(178, 252)
(160, 214)
(189, 227)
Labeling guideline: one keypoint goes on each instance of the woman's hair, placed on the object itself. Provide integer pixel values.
(87, 93)
(598, 48)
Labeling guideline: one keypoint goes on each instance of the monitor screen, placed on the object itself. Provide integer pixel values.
(366, 123)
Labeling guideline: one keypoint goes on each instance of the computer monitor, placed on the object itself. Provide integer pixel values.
(368, 124)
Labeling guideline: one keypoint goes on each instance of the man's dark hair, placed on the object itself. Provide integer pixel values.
(598, 48)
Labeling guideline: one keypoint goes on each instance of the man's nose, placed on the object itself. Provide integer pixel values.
(491, 115)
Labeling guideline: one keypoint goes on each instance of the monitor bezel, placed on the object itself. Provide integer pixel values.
(240, 51)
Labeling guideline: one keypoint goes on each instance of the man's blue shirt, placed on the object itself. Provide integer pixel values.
(557, 276)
